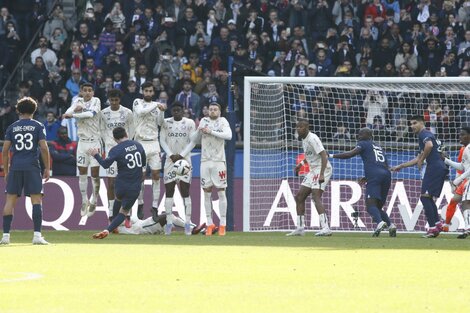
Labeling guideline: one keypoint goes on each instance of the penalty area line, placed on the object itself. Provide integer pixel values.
(21, 276)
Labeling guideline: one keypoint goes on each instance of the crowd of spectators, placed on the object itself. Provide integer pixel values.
(182, 47)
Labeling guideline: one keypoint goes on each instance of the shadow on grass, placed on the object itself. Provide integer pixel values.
(339, 241)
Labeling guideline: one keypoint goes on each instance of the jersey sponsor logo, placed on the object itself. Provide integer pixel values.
(26, 128)
(116, 124)
(222, 175)
(177, 134)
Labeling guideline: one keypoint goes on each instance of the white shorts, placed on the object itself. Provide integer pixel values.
(311, 179)
(83, 158)
(213, 173)
(112, 170)
(170, 176)
(152, 152)
(466, 193)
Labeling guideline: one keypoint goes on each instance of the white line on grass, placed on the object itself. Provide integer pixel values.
(22, 277)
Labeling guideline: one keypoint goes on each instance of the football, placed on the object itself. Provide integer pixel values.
(182, 167)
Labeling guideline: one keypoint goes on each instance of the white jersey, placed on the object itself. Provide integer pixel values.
(176, 135)
(466, 159)
(111, 119)
(88, 120)
(212, 145)
(312, 149)
(147, 118)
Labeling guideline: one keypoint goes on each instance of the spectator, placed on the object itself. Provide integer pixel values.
(433, 116)
(464, 115)
(142, 51)
(95, 50)
(57, 20)
(51, 126)
(199, 34)
(324, 64)
(406, 56)
(108, 37)
(75, 56)
(131, 94)
(73, 83)
(189, 99)
(38, 77)
(57, 40)
(376, 104)
(185, 27)
(168, 65)
(431, 54)
(48, 56)
(5, 17)
(63, 153)
(300, 67)
(117, 17)
(142, 76)
(382, 55)
(83, 35)
(280, 66)
(450, 65)
(13, 41)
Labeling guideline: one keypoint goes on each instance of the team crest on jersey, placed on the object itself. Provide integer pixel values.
(122, 115)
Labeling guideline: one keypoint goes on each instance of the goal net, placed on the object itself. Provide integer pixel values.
(336, 109)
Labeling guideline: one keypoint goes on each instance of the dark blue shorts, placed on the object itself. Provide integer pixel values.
(378, 186)
(28, 181)
(433, 181)
(127, 197)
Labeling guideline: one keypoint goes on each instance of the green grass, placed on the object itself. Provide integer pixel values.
(242, 272)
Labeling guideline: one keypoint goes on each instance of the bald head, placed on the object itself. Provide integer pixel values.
(364, 134)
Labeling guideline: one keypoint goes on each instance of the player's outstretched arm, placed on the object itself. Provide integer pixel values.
(46, 159)
(6, 157)
(347, 155)
(457, 165)
(140, 110)
(106, 163)
(406, 164)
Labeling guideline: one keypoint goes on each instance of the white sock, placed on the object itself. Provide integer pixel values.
(222, 207)
(168, 210)
(187, 209)
(37, 234)
(110, 207)
(156, 192)
(300, 221)
(323, 220)
(83, 185)
(208, 207)
(6, 235)
(95, 181)
(466, 218)
(140, 199)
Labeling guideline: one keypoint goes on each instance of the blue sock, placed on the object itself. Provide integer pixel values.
(37, 217)
(7, 219)
(385, 217)
(375, 213)
(430, 210)
(117, 220)
(116, 207)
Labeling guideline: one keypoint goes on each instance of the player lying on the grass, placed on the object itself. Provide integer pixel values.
(154, 225)
(434, 176)
(314, 182)
(463, 166)
(175, 135)
(23, 174)
(378, 179)
(130, 158)
(460, 189)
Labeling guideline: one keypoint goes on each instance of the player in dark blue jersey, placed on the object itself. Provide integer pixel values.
(377, 176)
(435, 173)
(26, 139)
(130, 158)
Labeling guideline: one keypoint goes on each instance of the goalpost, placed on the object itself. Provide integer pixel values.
(337, 107)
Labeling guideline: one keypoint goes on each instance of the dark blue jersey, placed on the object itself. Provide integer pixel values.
(130, 158)
(373, 157)
(433, 160)
(25, 135)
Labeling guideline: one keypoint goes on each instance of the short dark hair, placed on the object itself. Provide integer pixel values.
(62, 129)
(26, 105)
(177, 104)
(115, 93)
(303, 121)
(147, 85)
(119, 133)
(418, 118)
(85, 84)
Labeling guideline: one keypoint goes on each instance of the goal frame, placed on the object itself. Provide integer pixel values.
(249, 80)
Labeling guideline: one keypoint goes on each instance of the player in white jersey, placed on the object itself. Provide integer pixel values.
(111, 117)
(148, 115)
(314, 182)
(86, 111)
(153, 225)
(465, 167)
(212, 132)
(174, 137)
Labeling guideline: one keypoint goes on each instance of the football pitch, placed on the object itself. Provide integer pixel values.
(242, 272)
